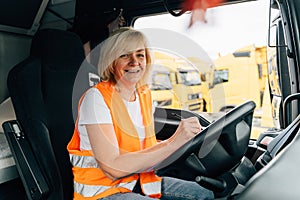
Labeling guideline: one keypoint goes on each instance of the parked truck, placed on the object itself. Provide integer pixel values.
(161, 88)
(185, 80)
(231, 88)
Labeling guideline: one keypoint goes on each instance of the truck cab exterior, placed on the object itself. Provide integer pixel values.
(162, 90)
(185, 80)
(232, 88)
(230, 73)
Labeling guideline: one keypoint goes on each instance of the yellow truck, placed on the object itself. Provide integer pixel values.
(242, 76)
(206, 70)
(161, 89)
(185, 80)
(231, 87)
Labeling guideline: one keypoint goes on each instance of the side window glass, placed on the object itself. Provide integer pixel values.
(221, 76)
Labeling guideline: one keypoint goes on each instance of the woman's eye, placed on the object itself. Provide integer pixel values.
(141, 55)
(124, 56)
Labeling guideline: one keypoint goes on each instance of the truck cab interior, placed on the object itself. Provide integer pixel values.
(44, 71)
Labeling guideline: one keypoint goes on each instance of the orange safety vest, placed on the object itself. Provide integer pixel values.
(89, 180)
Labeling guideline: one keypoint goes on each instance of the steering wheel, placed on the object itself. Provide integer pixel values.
(217, 149)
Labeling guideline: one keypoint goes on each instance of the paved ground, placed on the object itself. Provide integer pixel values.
(6, 158)
(6, 113)
(4, 149)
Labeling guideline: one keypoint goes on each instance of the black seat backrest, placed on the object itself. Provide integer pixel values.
(41, 90)
(87, 76)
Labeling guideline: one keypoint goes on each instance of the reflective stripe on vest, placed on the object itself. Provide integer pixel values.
(83, 161)
(93, 190)
(151, 188)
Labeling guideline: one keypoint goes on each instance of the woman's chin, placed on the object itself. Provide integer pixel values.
(130, 80)
(132, 77)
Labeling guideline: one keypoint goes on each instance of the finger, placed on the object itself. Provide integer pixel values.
(192, 119)
(195, 124)
(197, 130)
(192, 122)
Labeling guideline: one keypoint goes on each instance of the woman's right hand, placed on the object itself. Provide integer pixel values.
(186, 130)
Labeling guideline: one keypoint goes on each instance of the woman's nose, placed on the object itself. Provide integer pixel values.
(133, 60)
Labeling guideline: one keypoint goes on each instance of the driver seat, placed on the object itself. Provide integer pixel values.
(41, 91)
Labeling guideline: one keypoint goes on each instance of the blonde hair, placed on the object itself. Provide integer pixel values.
(122, 41)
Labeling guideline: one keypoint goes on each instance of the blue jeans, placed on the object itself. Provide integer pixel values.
(172, 189)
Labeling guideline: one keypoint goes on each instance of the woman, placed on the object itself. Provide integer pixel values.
(113, 148)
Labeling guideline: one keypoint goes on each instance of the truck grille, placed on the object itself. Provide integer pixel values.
(195, 106)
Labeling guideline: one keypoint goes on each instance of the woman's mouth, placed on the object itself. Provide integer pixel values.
(132, 70)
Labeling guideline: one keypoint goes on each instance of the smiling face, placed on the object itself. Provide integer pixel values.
(130, 68)
(125, 58)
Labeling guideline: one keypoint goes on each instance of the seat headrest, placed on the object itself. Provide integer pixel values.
(59, 49)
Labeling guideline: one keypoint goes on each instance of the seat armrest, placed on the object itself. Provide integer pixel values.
(28, 169)
(265, 138)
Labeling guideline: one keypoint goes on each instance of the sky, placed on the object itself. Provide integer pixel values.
(228, 27)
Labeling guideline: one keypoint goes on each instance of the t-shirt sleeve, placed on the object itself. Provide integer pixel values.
(93, 109)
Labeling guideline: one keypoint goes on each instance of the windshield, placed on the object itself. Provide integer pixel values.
(190, 77)
(195, 48)
(221, 76)
(160, 81)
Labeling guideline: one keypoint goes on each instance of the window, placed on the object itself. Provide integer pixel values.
(223, 50)
(190, 77)
(221, 76)
(160, 81)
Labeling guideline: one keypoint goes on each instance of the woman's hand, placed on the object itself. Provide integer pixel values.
(186, 130)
